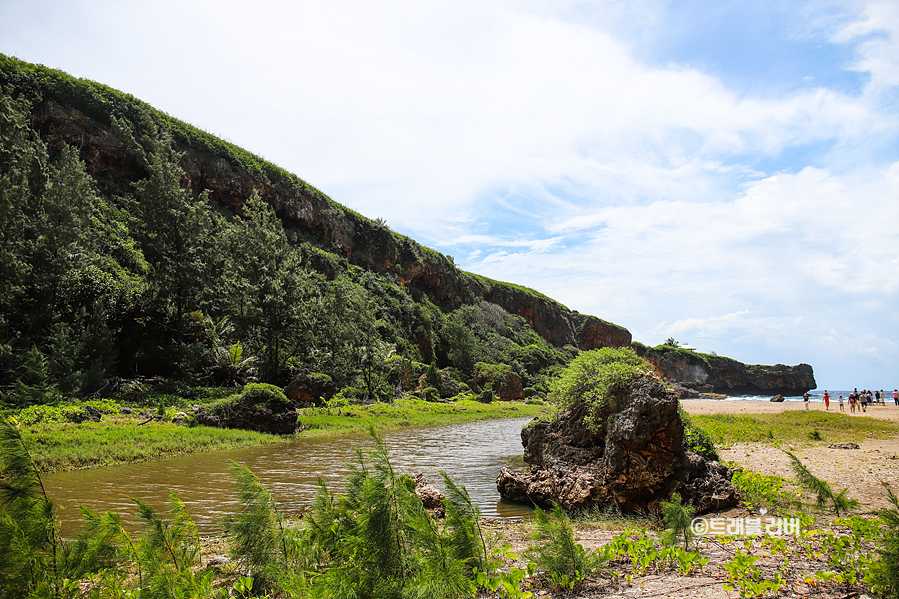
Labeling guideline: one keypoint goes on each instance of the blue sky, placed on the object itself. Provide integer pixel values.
(724, 173)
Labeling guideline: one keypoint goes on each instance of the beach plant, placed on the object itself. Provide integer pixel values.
(678, 517)
(557, 553)
(377, 540)
(36, 561)
(889, 550)
(839, 502)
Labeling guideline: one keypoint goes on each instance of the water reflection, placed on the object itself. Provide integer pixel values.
(470, 453)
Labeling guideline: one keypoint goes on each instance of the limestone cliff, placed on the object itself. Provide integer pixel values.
(717, 374)
(308, 214)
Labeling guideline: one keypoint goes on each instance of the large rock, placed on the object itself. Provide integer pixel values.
(310, 389)
(260, 408)
(635, 459)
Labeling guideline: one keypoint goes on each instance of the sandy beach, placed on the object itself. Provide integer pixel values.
(724, 406)
(862, 470)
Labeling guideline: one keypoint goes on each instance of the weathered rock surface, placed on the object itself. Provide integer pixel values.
(777, 398)
(705, 373)
(310, 389)
(635, 459)
(271, 414)
(431, 497)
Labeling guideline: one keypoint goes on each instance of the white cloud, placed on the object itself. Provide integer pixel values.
(531, 138)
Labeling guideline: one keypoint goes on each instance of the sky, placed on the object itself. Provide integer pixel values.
(723, 173)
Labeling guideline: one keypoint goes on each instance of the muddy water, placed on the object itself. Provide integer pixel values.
(470, 453)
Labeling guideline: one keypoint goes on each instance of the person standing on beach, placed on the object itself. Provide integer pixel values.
(805, 399)
(896, 396)
(841, 404)
(852, 397)
(826, 400)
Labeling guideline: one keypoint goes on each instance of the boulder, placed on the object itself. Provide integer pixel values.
(844, 445)
(431, 497)
(777, 397)
(634, 459)
(260, 408)
(310, 389)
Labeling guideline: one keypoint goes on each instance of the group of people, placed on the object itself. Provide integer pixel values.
(858, 400)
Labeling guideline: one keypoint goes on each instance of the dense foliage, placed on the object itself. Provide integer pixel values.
(103, 281)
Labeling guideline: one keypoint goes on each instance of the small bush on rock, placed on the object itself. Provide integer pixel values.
(594, 376)
(261, 393)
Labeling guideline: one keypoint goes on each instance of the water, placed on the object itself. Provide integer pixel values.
(472, 454)
(815, 395)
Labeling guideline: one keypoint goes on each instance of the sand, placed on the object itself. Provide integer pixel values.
(724, 406)
(861, 470)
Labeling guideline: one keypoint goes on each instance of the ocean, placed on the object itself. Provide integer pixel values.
(815, 395)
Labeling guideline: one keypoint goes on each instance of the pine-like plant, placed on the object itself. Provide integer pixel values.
(168, 552)
(34, 560)
(261, 541)
(823, 493)
(377, 541)
(678, 518)
(557, 552)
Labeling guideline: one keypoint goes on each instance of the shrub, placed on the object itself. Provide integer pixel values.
(696, 439)
(259, 393)
(430, 394)
(593, 377)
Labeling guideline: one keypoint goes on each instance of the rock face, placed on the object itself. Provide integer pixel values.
(635, 459)
(777, 398)
(310, 389)
(706, 373)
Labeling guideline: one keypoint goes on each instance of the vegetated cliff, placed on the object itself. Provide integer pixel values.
(80, 113)
(307, 215)
(717, 374)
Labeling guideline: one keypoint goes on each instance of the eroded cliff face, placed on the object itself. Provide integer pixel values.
(309, 215)
(705, 373)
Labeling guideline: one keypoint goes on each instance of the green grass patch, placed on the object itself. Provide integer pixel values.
(58, 447)
(794, 426)
(763, 490)
(409, 412)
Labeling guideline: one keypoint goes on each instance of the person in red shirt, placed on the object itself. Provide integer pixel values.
(826, 400)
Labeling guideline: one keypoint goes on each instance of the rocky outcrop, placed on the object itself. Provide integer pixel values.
(260, 408)
(310, 389)
(707, 373)
(635, 459)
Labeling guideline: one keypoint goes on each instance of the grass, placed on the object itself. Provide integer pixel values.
(794, 426)
(57, 447)
(408, 413)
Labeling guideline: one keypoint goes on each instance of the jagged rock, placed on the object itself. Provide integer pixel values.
(431, 498)
(310, 389)
(260, 408)
(844, 445)
(777, 398)
(635, 459)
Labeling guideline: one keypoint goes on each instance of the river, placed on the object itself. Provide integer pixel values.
(470, 453)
